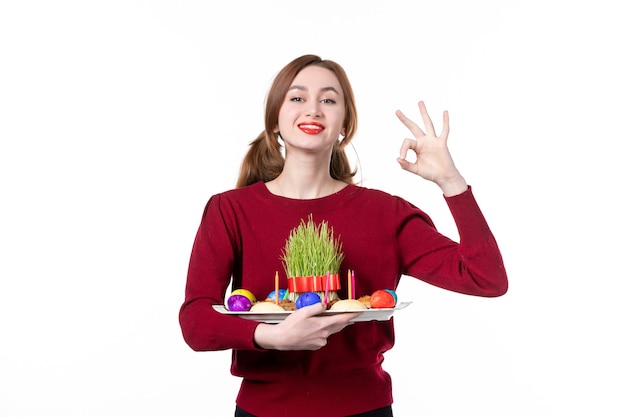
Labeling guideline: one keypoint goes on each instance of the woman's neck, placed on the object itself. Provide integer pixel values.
(304, 182)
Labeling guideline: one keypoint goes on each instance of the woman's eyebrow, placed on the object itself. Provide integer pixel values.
(323, 89)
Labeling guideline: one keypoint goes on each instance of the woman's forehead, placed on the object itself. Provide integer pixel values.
(316, 77)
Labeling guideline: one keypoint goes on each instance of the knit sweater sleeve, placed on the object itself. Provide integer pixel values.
(472, 266)
(209, 273)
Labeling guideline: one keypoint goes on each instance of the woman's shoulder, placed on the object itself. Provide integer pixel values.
(375, 194)
(233, 198)
(244, 192)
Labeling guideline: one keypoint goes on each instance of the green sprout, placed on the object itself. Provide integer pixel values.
(312, 250)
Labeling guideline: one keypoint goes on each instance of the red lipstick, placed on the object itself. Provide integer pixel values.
(311, 128)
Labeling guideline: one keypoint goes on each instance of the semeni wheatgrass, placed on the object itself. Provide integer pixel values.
(312, 250)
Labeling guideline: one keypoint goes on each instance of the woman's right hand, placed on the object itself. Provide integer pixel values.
(303, 329)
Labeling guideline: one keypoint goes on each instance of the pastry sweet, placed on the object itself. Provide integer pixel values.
(287, 305)
(266, 307)
(366, 301)
(348, 305)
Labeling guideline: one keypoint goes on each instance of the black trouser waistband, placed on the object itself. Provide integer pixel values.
(381, 412)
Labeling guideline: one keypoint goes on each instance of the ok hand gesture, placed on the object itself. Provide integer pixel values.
(433, 160)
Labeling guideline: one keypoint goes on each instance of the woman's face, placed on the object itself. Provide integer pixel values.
(312, 115)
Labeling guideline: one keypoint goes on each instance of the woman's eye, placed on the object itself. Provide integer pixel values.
(297, 99)
(328, 101)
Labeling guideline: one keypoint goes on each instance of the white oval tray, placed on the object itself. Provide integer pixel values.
(378, 314)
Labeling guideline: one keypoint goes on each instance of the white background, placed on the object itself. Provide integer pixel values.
(119, 119)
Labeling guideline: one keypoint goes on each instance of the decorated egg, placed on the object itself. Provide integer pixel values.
(238, 302)
(282, 294)
(392, 292)
(307, 299)
(245, 293)
(382, 299)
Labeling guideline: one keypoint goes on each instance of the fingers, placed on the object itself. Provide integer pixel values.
(312, 314)
(335, 323)
(306, 329)
(404, 164)
(307, 312)
(342, 320)
(407, 145)
(312, 310)
(413, 127)
(428, 123)
(446, 125)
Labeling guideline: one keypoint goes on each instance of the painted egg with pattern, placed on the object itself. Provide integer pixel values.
(238, 302)
(307, 299)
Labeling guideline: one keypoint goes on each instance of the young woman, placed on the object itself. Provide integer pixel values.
(310, 365)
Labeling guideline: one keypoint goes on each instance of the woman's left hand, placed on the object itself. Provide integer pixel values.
(433, 162)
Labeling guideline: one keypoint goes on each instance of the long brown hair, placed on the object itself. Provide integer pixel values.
(264, 160)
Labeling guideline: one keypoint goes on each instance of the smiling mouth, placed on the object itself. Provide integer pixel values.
(311, 128)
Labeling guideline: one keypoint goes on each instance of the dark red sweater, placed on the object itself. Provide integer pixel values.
(242, 234)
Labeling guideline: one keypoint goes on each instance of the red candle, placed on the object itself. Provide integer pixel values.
(327, 287)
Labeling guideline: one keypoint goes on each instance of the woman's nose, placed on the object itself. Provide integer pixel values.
(313, 111)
